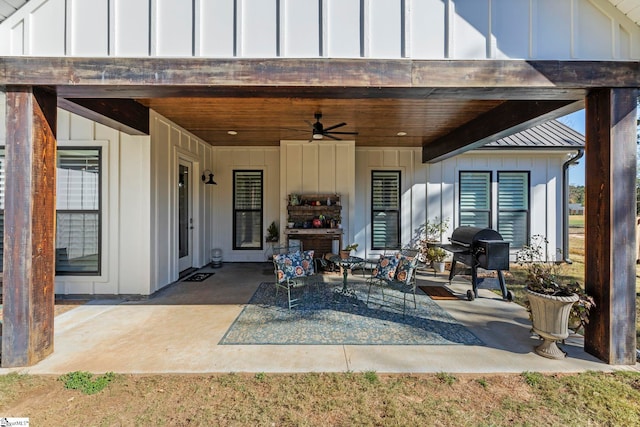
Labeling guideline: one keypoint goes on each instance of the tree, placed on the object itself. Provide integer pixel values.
(576, 194)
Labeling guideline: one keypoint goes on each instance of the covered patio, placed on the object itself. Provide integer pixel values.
(489, 99)
(179, 331)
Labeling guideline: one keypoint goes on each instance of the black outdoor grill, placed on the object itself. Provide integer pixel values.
(479, 247)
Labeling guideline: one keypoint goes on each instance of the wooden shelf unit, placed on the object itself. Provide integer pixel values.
(319, 239)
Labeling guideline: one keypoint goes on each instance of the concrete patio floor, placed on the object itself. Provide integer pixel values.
(178, 330)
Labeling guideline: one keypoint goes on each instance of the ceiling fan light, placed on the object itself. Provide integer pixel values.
(317, 136)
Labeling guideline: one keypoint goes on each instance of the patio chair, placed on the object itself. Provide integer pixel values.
(395, 272)
(293, 270)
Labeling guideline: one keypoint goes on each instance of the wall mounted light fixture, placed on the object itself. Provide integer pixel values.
(210, 180)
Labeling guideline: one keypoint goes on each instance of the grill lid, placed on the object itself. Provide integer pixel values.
(466, 236)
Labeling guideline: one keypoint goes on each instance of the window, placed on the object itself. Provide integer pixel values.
(385, 209)
(247, 209)
(475, 199)
(513, 207)
(78, 211)
(78, 204)
(512, 204)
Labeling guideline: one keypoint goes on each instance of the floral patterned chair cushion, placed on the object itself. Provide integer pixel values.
(386, 268)
(306, 260)
(406, 266)
(289, 266)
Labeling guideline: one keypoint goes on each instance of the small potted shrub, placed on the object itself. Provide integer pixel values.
(551, 300)
(436, 256)
(346, 252)
(273, 234)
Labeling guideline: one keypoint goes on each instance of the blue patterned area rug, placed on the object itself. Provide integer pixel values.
(327, 317)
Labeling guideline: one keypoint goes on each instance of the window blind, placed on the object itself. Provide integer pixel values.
(513, 207)
(247, 202)
(475, 199)
(385, 203)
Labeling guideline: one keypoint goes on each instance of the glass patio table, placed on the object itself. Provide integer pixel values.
(347, 264)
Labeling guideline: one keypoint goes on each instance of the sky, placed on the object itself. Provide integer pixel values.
(576, 122)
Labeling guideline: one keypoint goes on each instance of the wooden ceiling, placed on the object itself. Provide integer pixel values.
(445, 107)
(265, 121)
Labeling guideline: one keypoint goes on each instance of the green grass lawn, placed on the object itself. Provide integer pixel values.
(576, 221)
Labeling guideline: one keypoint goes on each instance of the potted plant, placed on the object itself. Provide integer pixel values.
(344, 253)
(427, 236)
(551, 300)
(273, 234)
(434, 229)
(338, 220)
(436, 256)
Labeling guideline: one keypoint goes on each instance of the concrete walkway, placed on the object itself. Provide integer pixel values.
(178, 330)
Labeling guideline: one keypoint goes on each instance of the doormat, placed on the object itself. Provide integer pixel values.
(198, 277)
(438, 292)
(327, 317)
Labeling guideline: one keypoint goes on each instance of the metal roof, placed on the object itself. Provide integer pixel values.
(631, 8)
(549, 135)
(7, 7)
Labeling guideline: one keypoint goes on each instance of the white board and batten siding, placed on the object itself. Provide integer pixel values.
(226, 160)
(416, 29)
(325, 167)
(545, 186)
(125, 229)
(413, 183)
(169, 144)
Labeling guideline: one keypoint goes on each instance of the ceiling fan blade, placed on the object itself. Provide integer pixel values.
(295, 130)
(343, 133)
(332, 137)
(335, 126)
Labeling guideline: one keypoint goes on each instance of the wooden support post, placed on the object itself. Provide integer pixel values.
(29, 227)
(610, 224)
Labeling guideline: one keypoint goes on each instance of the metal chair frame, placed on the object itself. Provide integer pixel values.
(407, 286)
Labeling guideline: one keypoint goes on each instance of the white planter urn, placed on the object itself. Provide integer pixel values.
(550, 318)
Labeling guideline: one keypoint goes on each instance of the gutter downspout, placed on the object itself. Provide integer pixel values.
(565, 204)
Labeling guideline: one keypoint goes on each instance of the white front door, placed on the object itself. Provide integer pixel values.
(185, 216)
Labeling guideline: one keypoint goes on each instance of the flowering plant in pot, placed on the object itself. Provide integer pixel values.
(552, 301)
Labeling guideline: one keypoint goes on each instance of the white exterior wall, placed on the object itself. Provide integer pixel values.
(225, 161)
(545, 188)
(431, 190)
(413, 202)
(417, 29)
(324, 167)
(169, 144)
(125, 208)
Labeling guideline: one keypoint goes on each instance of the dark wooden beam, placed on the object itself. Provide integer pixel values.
(316, 92)
(122, 73)
(506, 119)
(29, 227)
(610, 221)
(125, 115)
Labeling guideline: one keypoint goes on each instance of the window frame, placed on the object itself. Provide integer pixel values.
(99, 211)
(97, 148)
(398, 210)
(234, 210)
(527, 173)
(490, 192)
